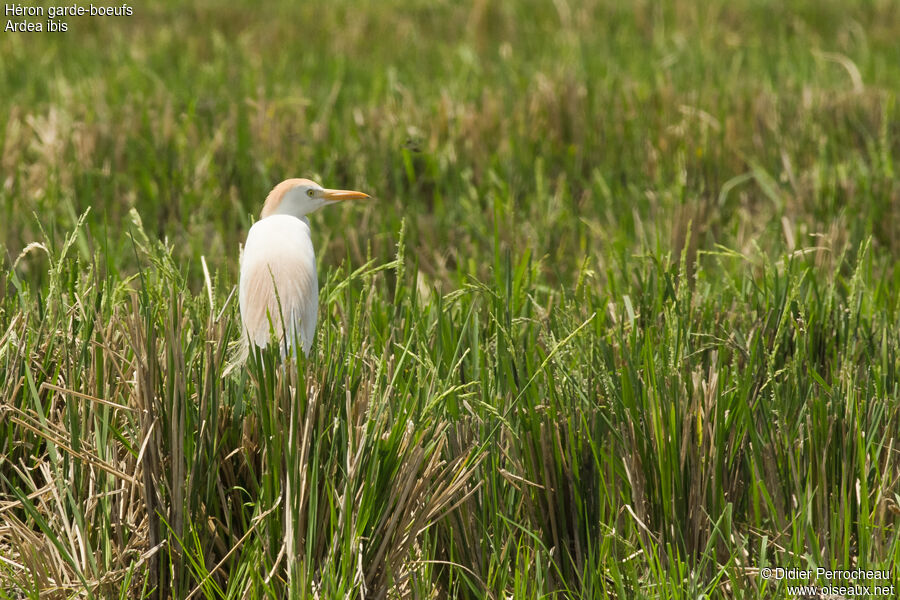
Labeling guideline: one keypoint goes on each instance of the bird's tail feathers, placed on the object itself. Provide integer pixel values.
(238, 357)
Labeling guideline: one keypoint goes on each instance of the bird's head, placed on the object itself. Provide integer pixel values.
(299, 197)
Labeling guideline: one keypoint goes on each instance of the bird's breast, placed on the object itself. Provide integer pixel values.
(278, 269)
(282, 242)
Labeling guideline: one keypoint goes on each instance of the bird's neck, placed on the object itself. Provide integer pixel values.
(301, 218)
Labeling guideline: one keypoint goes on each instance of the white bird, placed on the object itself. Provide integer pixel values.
(278, 265)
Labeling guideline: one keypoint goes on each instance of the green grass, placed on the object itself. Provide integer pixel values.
(621, 322)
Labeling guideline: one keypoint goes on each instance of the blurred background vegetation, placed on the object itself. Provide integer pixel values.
(575, 129)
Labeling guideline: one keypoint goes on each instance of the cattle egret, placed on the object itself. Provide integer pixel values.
(278, 266)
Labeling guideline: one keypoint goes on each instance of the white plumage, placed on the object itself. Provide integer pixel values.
(279, 257)
(279, 289)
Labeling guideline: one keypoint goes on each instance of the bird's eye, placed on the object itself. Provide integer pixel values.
(310, 193)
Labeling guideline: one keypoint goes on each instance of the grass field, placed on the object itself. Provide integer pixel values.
(622, 321)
